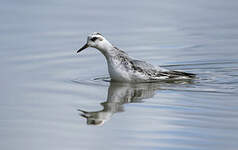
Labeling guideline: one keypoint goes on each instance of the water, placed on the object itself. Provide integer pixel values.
(50, 100)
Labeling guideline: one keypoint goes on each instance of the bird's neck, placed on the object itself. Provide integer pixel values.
(107, 49)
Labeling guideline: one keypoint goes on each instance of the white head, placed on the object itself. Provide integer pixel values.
(96, 40)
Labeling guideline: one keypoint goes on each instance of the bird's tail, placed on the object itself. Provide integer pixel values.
(179, 73)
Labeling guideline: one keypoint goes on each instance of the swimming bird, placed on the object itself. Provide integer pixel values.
(123, 68)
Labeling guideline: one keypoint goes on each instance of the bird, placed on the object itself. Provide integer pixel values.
(123, 68)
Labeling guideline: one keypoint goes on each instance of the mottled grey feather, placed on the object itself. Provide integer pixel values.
(142, 64)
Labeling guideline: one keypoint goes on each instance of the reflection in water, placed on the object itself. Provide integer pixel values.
(122, 93)
(119, 94)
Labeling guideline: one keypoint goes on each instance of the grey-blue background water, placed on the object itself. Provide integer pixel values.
(44, 82)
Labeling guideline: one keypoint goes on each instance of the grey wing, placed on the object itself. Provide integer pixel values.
(143, 65)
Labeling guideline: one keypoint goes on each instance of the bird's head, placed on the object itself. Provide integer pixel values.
(96, 40)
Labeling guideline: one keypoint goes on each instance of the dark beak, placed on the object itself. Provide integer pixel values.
(84, 47)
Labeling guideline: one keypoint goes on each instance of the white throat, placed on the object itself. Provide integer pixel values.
(106, 48)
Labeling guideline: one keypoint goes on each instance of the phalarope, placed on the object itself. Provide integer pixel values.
(123, 68)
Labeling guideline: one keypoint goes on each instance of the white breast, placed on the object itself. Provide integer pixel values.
(117, 71)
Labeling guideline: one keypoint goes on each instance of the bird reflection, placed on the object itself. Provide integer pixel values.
(119, 94)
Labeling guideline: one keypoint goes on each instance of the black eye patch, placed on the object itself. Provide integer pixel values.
(94, 39)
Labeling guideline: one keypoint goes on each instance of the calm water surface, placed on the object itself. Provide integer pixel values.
(54, 99)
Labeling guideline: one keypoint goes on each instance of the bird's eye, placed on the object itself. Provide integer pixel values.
(94, 39)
